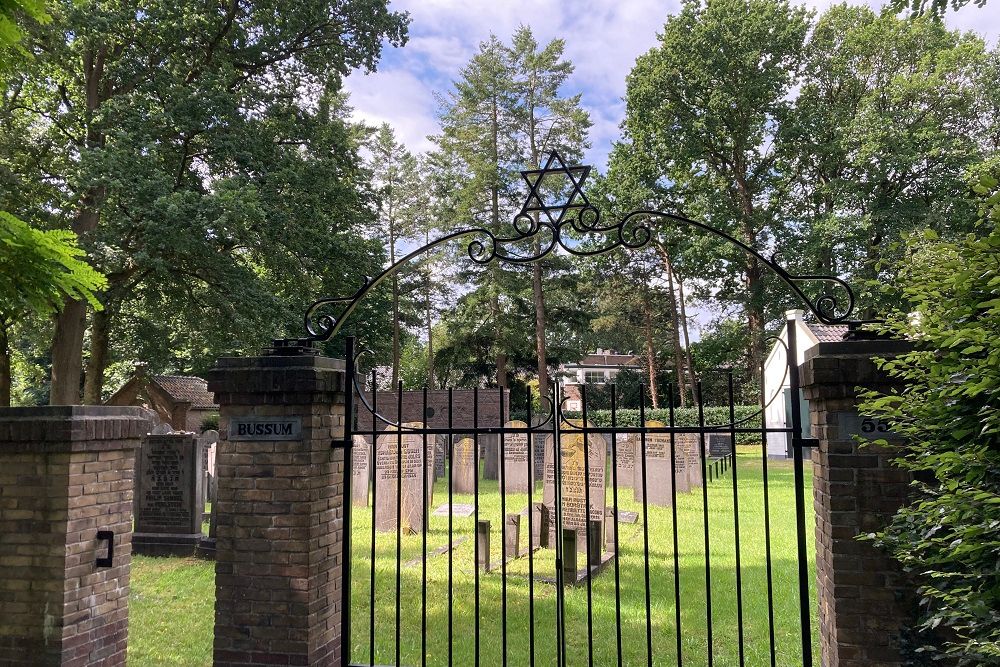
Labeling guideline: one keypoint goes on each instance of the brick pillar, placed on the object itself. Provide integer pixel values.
(66, 472)
(856, 490)
(279, 515)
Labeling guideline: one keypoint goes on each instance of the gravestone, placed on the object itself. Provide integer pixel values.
(390, 450)
(540, 525)
(515, 459)
(489, 444)
(570, 547)
(463, 466)
(625, 445)
(483, 544)
(690, 444)
(169, 500)
(573, 488)
(656, 464)
(440, 455)
(538, 450)
(360, 466)
(610, 525)
(512, 538)
(720, 445)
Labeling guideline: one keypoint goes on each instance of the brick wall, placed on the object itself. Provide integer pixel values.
(862, 596)
(65, 473)
(280, 520)
(437, 404)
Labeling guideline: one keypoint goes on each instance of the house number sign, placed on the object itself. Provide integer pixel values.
(869, 428)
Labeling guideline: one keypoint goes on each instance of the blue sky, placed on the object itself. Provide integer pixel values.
(603, 39)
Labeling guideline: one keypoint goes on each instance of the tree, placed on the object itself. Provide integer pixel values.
(401, 211)
(707, 105)
(879, 143)
(38, 271)
(505, 113)
(546, 122)
(948, 417)
(157, 135)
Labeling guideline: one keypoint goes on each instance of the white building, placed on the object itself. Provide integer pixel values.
(776, 381)
(598, 367)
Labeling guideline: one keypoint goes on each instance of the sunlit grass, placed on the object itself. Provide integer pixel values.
(171, 603)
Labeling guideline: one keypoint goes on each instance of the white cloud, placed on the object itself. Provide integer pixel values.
(397, 97)
(603, 39)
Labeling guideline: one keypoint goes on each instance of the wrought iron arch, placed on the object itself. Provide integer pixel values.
(553, 225)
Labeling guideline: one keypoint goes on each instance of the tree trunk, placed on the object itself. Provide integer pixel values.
(502, 370)
(67, 343)
(687, 339)
(543, 369)
(501, 355)
(647, 316)
(67, 354)
(93, 385)
(395, 296)
(5, 375)
(676, 331)
(429, 320)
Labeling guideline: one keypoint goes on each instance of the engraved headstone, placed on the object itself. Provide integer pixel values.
(624, 445)
(656, 465)
(490, 444)
(719, 445)
(515, 459)
(512, 538)
(399, 460)
(690, 444)
(440, 455)
(168, 500)
(360, 458)
(540, 525)
(463, 466)
(574, 471)
(570, 547)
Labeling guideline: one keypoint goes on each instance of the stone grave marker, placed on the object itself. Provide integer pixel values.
(659, 481)
(390, 448)
(515, 459)
(360, 462)
(457, 510)
(490, 445)
(689, 443)
(540, 525)
(574, 473)
(625, 445)
(463, 466)
(168, 499)
(512, 539)
(483, 544)
(440, 455)
(719, 445)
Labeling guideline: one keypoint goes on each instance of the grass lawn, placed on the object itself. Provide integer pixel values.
(171, 613)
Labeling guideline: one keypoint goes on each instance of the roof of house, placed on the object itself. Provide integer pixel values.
(186, 389)
(827, 333)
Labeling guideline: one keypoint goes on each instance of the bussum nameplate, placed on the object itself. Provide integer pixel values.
(265, 428)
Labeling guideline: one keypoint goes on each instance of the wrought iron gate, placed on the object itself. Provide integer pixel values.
(680, 585)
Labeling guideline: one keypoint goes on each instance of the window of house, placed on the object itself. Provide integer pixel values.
(594, 377)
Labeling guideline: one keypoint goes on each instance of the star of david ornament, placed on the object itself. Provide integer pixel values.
(554, 202)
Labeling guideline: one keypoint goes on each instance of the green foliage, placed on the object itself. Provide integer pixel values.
(40, 269)
(10, 33)
(935, 8)
(948, 537)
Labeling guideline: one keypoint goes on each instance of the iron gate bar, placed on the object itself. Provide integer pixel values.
(767, 519)
(708, 552)
(399, 518)
(673, 518)
(586, 532)
(501, 460)
(475, 492)
(645, 532)
(800, 515)
(531, 534)
(425, 519)
(371, 628)
(736, 518)
(451, 518)
(346, 505)
(614, 502)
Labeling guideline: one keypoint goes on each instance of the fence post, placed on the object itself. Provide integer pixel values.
(280, 470)
(66, 475)
(857, 489)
